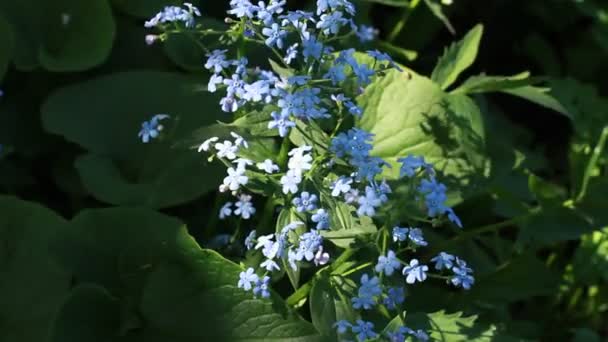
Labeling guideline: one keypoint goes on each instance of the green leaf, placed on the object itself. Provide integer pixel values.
(343, 238)
(28, 19)
(540, 96)
(79, 35)
(280, 70)
(445, 327)
(7, 43)
(143, 8)
(32, 287)
(90, 313)
(256, 123)
(457, 58)
(322, 307)
(177, 295)
(104, 116)
(412, 115)
(553, 224)
(287, 216)
(118, 247)
(519, 279)
(484, 83)
(546, 193)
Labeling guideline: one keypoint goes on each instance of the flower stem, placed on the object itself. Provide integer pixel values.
(595, 156)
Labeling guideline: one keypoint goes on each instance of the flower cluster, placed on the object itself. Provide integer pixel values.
(151, 129)
(171, 14)
(320, 175)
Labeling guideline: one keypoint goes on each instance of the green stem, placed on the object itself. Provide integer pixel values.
(595, 156)
(356, 269)
(401, 23)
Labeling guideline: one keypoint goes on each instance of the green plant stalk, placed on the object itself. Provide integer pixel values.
(595, 156)
(401, 23)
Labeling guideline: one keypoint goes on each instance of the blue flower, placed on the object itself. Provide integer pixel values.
(364, 330)
(281, 122)
(341, 186)
(151, 129)
(174, 14)
(246, 278)
(244, 207)
(268, 166)
(370, 287)
(242, 8)
(443, 260)
(229, 104)
(462, 278)
(241, 65)
(366, 33)
(306, 202)
(331, 23)
(383, 57)
(261, 287)
(291, 53)
(309, 243)
(217, 61)
(298, 80)
(416, 237)
(364, 302)
(415, 272)
(368, 203)
(270, 265)
(250, 239)
(453, 217)
(410, 164)
(265, 13)
(275, 35)
(213, 82)
(362, 73)
(336, 74)
(342, 326)
(255, 91)
(226, 210)
(435, 203)
(400, 234)
(394, 297)
(321, 218)
(311, 48)
(387, 264)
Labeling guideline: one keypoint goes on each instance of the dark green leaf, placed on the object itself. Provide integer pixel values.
(90, 313)
(205, 285)
(79, 35)
(483, 83)
(539, 96)
(445, 327)
(32, 287)
(437, 11)
(104, 116)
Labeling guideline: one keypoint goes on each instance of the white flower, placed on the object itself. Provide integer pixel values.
(226, 150)
(321, 258)
(205, 145)
(300, 160)
(235, 179)
(341, 185)
(290, 182)
(244, 208)
(226, 210)
(239, 140)
(268, 166)
(241, 163)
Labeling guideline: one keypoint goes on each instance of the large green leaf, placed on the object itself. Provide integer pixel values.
(117, 247)
(63, 35)
(104, 116)
(31, 285)
(445, 327)
(457, 58)
(80, 36)
(7, 43)
(412, 115)
(553, 224)
(540, 96)
(199, 299)
(484, 83)
(90, 313)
